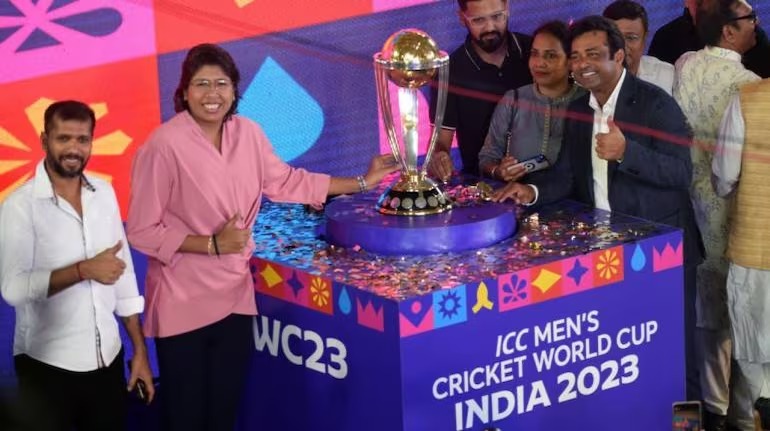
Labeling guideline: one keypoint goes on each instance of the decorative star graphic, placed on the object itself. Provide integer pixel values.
(295, 284)
(449, 305)
(609, 264)
(320, 292)
(577, 272)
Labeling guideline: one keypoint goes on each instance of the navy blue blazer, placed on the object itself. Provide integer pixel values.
(652, 182)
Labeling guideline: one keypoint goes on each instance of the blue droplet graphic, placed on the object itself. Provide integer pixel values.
(344, 303)
(638, 260)
(290, 116)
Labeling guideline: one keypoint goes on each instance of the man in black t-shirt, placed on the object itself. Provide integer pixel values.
(492, 61)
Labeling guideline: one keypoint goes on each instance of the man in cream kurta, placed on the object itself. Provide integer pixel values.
(740, 171)
(705, 82)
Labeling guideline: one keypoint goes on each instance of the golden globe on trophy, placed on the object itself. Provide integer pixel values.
(411, 59)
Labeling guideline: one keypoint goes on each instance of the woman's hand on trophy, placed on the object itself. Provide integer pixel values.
(380, 166)
(440, 165)
(523, 194)
(509, 169)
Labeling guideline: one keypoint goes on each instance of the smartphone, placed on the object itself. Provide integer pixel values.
(687, 416)
(532, 164)
(140, 390)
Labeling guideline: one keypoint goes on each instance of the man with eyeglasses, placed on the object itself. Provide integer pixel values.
(631, 19)
(492, 61)
(680, 36)
(705, 82)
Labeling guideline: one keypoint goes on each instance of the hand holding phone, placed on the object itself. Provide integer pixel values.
(140, 389)
(532, 164)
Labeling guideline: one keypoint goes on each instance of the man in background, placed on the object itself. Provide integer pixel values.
(706, 81)
(741, 172)
(680, 36)
(631, 19)
(492, 61)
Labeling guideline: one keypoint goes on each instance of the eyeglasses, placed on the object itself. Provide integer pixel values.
(752, 17)
(632, 37)
(219, 85)
(482, 20)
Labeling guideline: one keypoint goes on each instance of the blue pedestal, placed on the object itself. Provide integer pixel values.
(574, 322)
(353, 221)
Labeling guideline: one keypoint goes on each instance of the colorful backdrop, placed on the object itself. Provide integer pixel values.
(306, 67)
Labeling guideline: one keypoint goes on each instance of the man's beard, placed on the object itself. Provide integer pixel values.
(63, 172)
(490, 44)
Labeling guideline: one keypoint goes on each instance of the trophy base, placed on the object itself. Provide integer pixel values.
(353, 222)
(414, 197)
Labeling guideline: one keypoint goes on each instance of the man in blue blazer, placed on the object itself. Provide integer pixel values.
(626, 149)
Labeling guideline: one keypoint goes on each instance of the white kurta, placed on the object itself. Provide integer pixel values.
(748, 289)
(705, 82)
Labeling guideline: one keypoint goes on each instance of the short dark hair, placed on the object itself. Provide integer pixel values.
(207, 54)
(68, 110)
(557, 29)
(627, 9)
(712, 16)
(615, 40)
(463, 4)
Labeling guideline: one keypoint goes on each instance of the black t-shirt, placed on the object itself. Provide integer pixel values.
(680, 36)
(474, 90)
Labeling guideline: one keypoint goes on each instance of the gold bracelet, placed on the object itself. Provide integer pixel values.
(210, 247)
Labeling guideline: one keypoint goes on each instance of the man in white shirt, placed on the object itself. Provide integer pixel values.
(626, 150)
(631, 19)
(66, 268)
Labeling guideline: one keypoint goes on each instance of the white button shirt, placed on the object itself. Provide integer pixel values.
(657, 72)
(601, 115)
(75, 329)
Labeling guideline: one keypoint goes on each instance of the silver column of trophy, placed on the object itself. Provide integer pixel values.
(410, 59)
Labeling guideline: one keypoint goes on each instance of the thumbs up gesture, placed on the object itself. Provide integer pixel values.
(231, 238)
(611, 145)
(105, 267)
